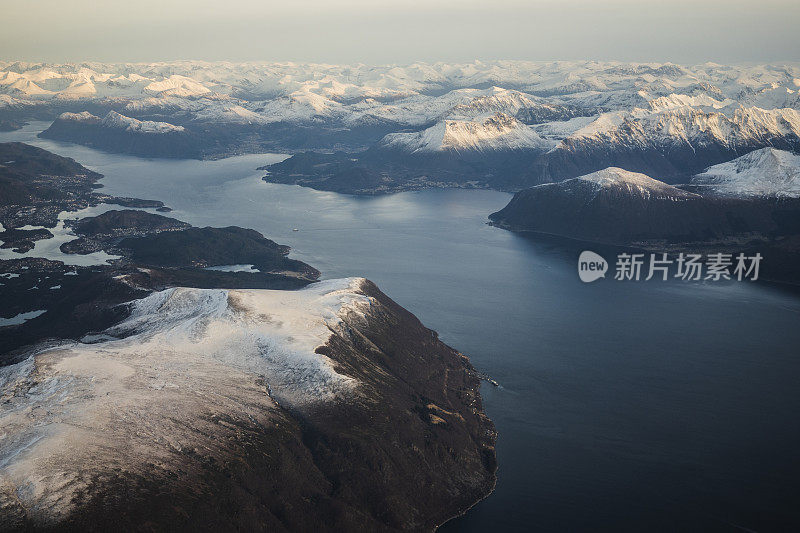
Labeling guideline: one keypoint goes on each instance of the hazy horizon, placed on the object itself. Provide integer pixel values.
(393, 32)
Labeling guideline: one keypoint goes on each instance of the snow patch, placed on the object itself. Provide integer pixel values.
(234, 268)
(20, 319)
(157, 383)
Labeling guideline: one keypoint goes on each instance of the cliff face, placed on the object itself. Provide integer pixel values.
(327, 408)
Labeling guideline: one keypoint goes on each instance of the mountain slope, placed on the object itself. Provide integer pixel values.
(615, 206)
(328, 408)
(764, 172)
(672, 144)
(497, 132)
(119, 133)
(472, 124)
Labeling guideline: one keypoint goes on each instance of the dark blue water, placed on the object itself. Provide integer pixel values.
(628, 406)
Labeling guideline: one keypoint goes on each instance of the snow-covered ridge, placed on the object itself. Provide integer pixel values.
(154, 384)
(118, 121)
(176, 85)
(495, 100)
(635, 182)
(270, 333)
(578, 105)
(493, 133)
(83, 116)
(764, 172)
(735, 127)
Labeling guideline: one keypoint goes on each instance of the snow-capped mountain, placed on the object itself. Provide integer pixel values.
(411, 94)
(665, 120)
(764, 172)
(493, 133)
(203, 392)
(626, 208)
(120, 133)
(671, 144)
(633, 184)
(115, 120)
(176, 85)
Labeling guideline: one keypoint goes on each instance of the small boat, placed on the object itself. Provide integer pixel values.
(295, 229)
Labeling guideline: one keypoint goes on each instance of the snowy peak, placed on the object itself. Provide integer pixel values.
(411, 95)
(731, 127)
(181, 357)
(634, 183)
(282, 348)
(83, 116)
(677, 101)
(118, 121)
(177, 86)
(121, 122)
(230, 114)
(498, 100)
(587, 112)
(764, 172)
(497, 132)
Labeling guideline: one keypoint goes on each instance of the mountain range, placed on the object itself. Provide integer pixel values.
(501, 124)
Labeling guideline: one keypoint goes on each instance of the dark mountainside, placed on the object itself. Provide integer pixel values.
(31, 164)
(93, 133)
(202, 140)
(9, 125)
(125, 223)
(33, 175)
(381, 171)
(679, 220)
(213, 247)
(576, 209)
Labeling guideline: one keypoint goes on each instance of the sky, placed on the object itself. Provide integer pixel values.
(400, 31)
